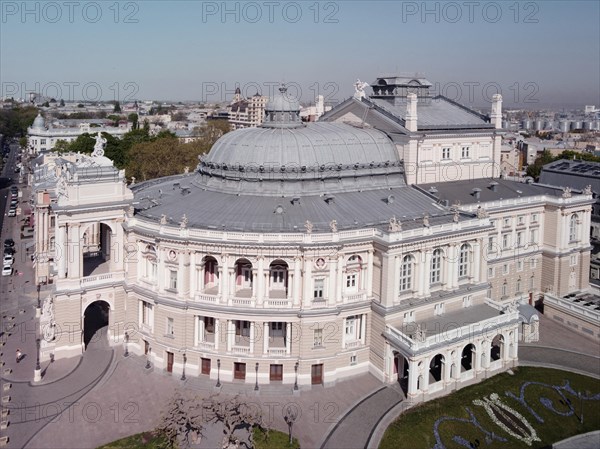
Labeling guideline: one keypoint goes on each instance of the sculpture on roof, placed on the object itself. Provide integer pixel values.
(132, 181)
(99, 145)
(163, 219)
(566, 192)
(420, 334)
(455, 216)
(308, 226)
(333, 226)
(61, 187)
(359, 89)
(426, 220)
(184, 222)
(186, 170)
(481, 212)
(395, 225)
(587, 190)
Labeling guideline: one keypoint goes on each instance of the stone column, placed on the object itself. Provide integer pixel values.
(74, 253)
(260, 288)
(363, 328)
(332, 290)
(425, 385)
(266, 338)
(217, 333)
(413, 376)
(476, 255)
(254, 282)
(288, 338)
(230, 334)
(425, 276)
(396, 264)
(297, 281)
(61, 250)
(369, 273)
(340, 278)
(252, 336)
(200, 334)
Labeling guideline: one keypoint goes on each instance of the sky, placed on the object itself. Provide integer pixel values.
(536, 54)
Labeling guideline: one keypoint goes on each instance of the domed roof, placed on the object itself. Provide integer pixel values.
(283, 102)
(315, 158)
(39, 122)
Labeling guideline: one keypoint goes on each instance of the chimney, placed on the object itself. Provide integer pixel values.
(496, 115)
(411, 112)
(476, 192)
(494, 186)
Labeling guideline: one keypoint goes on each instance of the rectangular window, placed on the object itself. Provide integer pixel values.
(533, 263)
(518, 285)
(492, 245)
(445, 153)
(352, 360)
(533, 236)
(521, 220)
(465, 152)
(505, 269)
(506, 241)
(467, 301)
(573, 260)
(351, 281)
(146, 313)
(531, 283)
(534, 218)
(439, 309)
(490, 272)
(506, 222)
(318, 290)
(318, 338)
(173, 279)
(519, 265)
(520, 239)
(409, 317)
(504, 289)
(350, 327)
(170, 326)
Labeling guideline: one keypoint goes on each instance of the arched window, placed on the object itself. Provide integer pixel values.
(463, 261)
(436, 267)
(573, 227)
(406, 273)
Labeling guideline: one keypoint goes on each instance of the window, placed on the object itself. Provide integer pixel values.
(352, 360)
(531, 283)
(533, 236)
(505, 269)
(573, 222)
(318, 290)
(491, 245)
(533, 263)
(490, 272)
(170, 327)
(520, 220)
(445, 153)
(505, 241)
(151, 270)
(467, 301)
(573, 260)
(505, 289)
(318, 338)
(519, 285)
(351, 281)
(506, 222)
(42, 141)
(406, 271)
(173, 279)
(436, 267)
(409, 317)
(146, 313)
(350, 327)
(465, 153)
(463, 261)
(534, 218)
(519, 265)
(520, 239)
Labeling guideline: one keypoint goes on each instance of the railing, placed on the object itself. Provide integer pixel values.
(464, 332)
(573, 307)
(243, 302)
(356, 297)
(206, 345)
(207, 298)
(353, 344)
(278, 303)
(277, 351)
(146, 328)
(240, 350)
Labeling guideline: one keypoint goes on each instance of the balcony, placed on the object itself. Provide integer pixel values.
(87, 282)
(277, 346)
(355, 297)
(353, 344)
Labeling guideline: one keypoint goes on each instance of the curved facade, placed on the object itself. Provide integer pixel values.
(295, 280)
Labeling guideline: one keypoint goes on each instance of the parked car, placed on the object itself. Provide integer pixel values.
(9, 251)
(9, 259)
(12, 212)
(7, 270)
(9, 243)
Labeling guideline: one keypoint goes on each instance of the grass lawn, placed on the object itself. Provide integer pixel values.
(561, 418)
(146, 440)
(276, 440)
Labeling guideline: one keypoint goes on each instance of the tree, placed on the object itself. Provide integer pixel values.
(83, 144)
(23, 142)
(535, 169)
(234, 414)
(117, 107)
(62, 146)
(178, 116)
(62, 103)
(46, 105)
(181, 422)
(133, 118)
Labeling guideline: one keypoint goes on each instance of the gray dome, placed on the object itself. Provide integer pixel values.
(282, 111)
(39, 122)
(315, 158)
(283, 102)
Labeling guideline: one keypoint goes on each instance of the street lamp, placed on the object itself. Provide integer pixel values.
(218, 373)
(183, 372)
(37, 373)
(296, 369)
(291, 414)
(256, 384)
(148, 357)
(126, 353)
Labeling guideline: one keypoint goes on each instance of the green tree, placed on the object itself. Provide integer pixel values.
(23, 142)
(133, 118)
(62, 146)
(15, 121)
(117, 107)
(62, 103)
(83, 144)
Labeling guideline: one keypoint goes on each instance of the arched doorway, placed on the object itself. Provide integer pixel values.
(497, 348)
(436, 368)
(401, 371)
(95, 322)
(466, 359)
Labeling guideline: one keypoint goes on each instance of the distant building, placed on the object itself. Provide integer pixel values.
(44, 138)
(312, 113)
(246, 113)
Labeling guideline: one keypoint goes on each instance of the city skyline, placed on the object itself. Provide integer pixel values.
(537, 54)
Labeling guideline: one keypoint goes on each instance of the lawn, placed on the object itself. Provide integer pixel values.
(148, 440)
(551, 413)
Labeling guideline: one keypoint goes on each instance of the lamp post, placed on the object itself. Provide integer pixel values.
(291, 414)
(126, 353)
(256, 383)
(296, 369)
(37, 373)
(38, 309)
(183, 372)
(148, 358)
(218, 373)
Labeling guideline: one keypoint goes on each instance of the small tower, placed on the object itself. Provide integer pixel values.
(411, 112)
(496, 115)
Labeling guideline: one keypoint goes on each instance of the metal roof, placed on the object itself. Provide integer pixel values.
(574, 174)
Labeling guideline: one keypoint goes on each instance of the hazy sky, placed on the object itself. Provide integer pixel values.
(544, 51)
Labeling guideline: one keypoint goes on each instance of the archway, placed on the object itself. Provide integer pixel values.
(436, 368)
(95, 322)
(497, 348)
(401, 371)
(466, 359)
(96, 249)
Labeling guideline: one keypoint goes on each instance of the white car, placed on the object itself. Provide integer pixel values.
(8, 260)
(7, 270)
(12, 212)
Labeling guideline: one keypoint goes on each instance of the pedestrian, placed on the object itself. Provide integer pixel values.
(19, 355)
